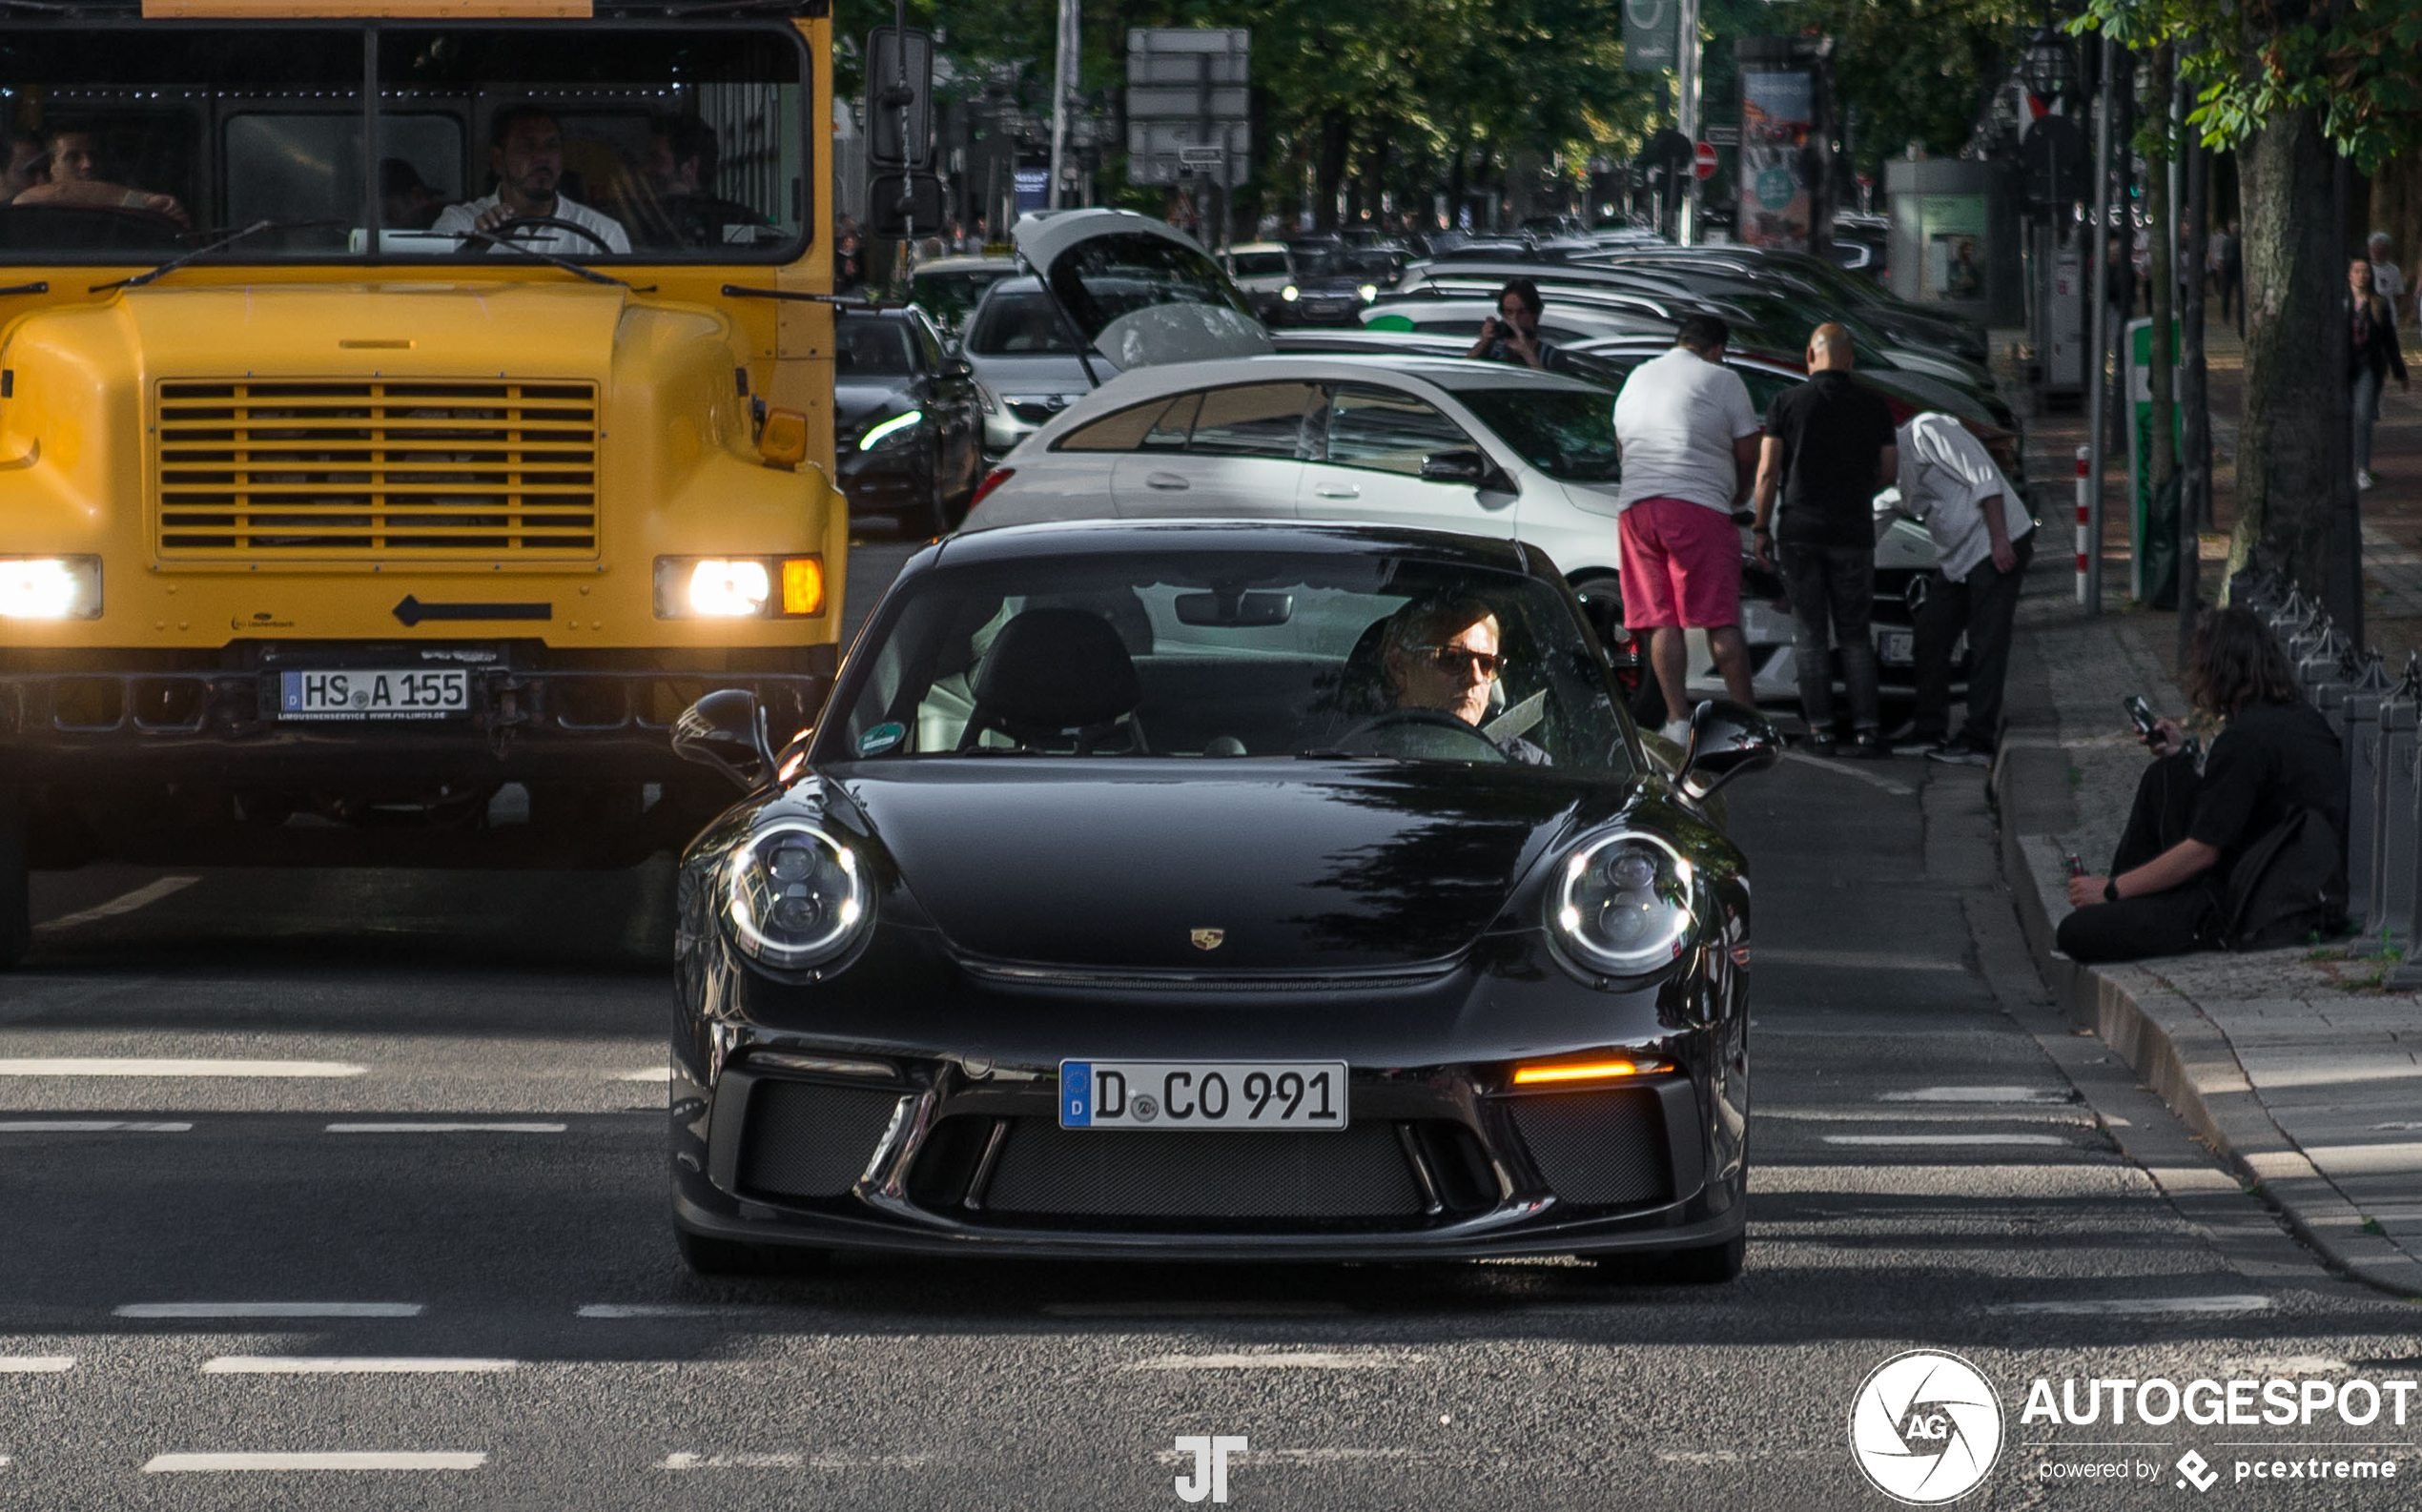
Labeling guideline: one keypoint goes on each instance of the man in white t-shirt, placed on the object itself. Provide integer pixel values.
(2387, 279)
(525, 149)
(1689, 438)
(1983, 537)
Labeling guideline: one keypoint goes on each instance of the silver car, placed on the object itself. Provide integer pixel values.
(1025, 361)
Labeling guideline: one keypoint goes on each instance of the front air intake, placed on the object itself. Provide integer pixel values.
(345, 470)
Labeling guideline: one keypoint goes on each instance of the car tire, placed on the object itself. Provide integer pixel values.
(17, 901)
(708, 1256)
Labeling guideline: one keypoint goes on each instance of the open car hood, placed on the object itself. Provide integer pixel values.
(1139, 289)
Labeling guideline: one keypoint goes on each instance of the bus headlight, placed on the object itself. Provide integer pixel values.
(739, 588)
(50, 587)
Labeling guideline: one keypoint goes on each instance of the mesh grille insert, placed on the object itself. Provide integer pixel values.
(354, 470)
(1359, 1173)
(808, 1140)
(1598, 1147)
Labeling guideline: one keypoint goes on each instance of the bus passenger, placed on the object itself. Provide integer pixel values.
(525, 149)
(71, 168)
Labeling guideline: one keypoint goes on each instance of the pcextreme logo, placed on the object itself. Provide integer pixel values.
(1925, 1427)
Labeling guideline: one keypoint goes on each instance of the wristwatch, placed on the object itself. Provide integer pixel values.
(2110, 890)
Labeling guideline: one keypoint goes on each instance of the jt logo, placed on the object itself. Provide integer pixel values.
(1210, 1477)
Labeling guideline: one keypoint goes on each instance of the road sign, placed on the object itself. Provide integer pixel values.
(884, 147)
(1703, 160)
(1724, 135)
(1189, 104)
(1651, 34)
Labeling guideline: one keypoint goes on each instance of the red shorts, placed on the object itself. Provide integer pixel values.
(1681, 566)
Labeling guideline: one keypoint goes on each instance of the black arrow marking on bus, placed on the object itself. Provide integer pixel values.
(411, 611)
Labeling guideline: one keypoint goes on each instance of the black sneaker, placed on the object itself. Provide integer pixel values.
(1959, 753)
(1867, 746)
(1819, 745)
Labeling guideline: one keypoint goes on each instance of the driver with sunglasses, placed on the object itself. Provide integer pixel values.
(1444, 656)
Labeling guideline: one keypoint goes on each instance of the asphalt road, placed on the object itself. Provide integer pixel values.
(424, 1233)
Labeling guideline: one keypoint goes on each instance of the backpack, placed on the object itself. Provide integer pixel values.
(2288, 884)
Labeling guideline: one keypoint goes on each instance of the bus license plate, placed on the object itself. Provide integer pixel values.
(369, 692)
(1293, 1097)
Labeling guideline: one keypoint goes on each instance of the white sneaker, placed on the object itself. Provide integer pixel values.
(2365, 482)
(1678, 730)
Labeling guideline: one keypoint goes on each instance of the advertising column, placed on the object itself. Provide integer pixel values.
(1781, 152)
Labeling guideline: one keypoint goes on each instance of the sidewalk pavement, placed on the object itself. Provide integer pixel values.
(2297, 1066)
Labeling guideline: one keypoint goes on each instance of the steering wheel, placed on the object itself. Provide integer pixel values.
(1426, 732)
(502, 231)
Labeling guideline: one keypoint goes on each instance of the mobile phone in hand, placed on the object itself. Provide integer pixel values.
(2141, 711)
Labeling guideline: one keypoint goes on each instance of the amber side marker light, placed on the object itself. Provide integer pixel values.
(1569, 1072)
(802, 585)
(783, 439)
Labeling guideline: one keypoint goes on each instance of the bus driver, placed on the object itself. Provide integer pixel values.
(525, 149)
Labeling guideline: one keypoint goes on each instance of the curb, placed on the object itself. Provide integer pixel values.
(2192, 1066)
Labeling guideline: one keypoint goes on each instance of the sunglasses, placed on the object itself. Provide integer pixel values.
(1456, 658)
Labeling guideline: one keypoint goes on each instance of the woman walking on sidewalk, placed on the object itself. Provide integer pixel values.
(2372, 356)
(2244, 853)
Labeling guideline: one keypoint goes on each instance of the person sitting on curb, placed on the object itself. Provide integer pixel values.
(2248, 852)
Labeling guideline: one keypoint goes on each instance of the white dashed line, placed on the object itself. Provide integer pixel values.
(1296, 1359)
(138, 1065)
(343, 1460)
(269, 1310)
(1897, 790)
(445, 1128)
(142, 897)
(651, 1073)
(653, 1310)
(352, 1365)
(88, 1125)
(2119, 1306)
(791, 1459)
(1963, 1141)
(1195, 1309)
(36, 1364)
(2027, 1094)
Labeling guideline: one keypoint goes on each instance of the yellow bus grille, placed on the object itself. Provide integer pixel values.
(342, 469)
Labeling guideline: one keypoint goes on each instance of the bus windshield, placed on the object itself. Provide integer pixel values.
(664, 143)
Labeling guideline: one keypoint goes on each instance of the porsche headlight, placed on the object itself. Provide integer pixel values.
(1624, 904)
(795, 897)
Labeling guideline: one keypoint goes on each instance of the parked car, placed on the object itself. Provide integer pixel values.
(1259, 269)
(1823, 280)
(1560, 321)
(947, 288)
(1024, 361)
(907, 432)
(1131, 902)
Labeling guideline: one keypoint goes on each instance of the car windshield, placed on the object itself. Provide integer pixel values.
(1217, 655)
(1018, 322)
(1259, 264)
(872, 346)
(948, 296)
(593, 142)
(1343, 263)
(1567, 434)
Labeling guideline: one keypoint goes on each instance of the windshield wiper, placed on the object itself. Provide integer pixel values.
(227, 239)
(565, 263)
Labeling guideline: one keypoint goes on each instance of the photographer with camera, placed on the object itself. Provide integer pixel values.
(2246, 853)
(1513, 337)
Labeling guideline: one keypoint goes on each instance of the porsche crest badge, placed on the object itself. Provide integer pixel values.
(1207, 939)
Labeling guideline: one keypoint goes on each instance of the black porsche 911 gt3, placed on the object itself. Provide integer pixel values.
(1215, 891)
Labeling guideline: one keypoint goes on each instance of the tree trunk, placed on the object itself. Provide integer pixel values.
(1336, 133)
(2295, 406)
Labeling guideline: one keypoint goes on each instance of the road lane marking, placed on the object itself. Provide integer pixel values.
(88, 1125)
(1298, 1457)
(446, 1128)
(792, 1460)
(353, 1365)
(1195, 1309)
(153, 1066)
(1851, 960)
(1288, 1359)
(268, 1310)
(654, 1310)
(1963, 1141)
(2027, 1094)
(1897, 790)
(2119, 1306)
(340, 1459)
(36, 1364)
(651, 1073)
(142, 897)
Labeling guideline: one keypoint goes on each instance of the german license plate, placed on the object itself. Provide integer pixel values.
(369, 692)
(1294, 1096)
(1896, 646)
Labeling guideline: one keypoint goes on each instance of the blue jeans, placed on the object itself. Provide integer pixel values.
(2366, 409)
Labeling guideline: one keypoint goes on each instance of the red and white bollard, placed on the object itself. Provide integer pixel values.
(2081, 453)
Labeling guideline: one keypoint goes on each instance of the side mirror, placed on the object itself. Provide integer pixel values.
(1460, 466)
(1726, 741)
(957, 367)
(727, 730)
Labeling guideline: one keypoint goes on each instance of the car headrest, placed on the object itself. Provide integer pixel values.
(1056, 670)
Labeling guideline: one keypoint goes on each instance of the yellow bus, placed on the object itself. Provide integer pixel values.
(407, 407)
